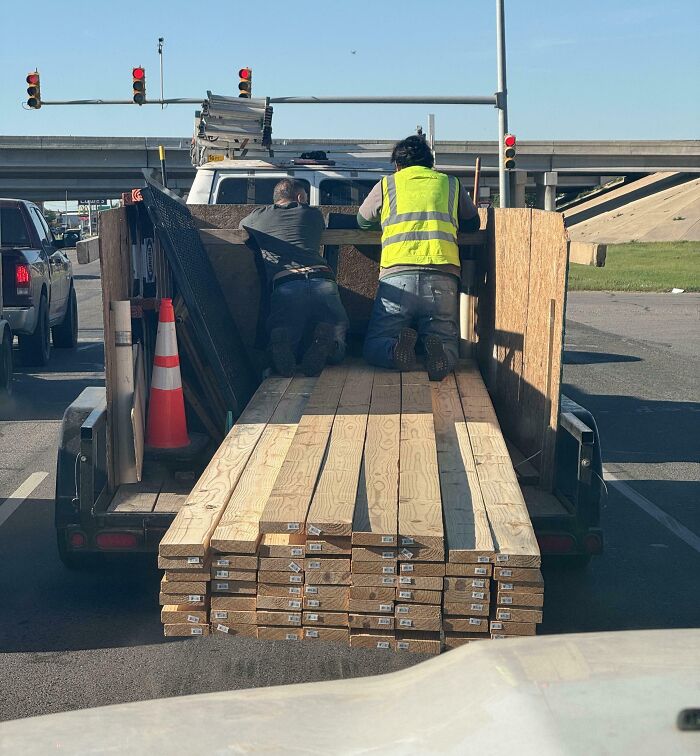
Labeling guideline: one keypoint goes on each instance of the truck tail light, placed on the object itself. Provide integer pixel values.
(23, 279)
(77, 540)
(112, 540)
(593, 544)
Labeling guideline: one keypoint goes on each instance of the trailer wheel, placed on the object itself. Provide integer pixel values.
(6, 364)
(65, 334)
(35, 348)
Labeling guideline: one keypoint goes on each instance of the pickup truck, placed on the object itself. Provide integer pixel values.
(39, 298)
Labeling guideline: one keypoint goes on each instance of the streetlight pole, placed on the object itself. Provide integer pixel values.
(161, 42)
(502, 95)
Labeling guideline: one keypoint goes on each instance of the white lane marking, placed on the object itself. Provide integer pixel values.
(670, 523)
(8, 507)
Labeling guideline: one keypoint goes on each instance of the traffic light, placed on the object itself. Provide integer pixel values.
(245, 85)
(138, 84)
(33, 90)
(509, 142)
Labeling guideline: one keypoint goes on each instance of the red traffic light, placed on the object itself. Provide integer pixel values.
(33, 78)
(245, 73)
(509, 140)
(138, 73)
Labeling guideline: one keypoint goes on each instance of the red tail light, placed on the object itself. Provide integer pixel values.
(77, 540)
(23, 278)
(593, 543)
(116, 540)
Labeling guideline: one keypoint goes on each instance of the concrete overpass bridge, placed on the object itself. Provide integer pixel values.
(49, 168)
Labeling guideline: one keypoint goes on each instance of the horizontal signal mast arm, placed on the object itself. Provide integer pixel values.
(339, 236)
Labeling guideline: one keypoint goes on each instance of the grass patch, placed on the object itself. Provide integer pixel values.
(651, 266)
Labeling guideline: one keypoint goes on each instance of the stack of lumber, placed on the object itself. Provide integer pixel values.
(365, 507)
(184, 595)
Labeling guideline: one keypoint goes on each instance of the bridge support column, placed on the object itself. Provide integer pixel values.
(518, 180)
(546, 185)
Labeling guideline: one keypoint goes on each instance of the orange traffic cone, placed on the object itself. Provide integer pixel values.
(166, 427)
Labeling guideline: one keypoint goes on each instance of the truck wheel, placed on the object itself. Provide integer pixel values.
(65, 334)
(35, 348)
(6, 364)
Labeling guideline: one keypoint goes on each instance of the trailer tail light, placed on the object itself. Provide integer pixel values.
(116, 540)
(593, 544)
(556, 544)
(23, 278)
(77, 540)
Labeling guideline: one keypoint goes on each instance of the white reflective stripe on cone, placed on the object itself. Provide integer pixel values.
(166, 340)
(166, 378)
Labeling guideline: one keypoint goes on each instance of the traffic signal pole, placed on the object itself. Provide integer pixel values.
(502, 96)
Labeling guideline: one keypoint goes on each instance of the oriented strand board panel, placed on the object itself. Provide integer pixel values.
(467, 532)
(193, 525)
(239, 528)
(420, 505)
(513, 536)
(333, 504)
(288, 504)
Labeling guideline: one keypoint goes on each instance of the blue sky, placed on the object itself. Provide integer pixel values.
(614, 69)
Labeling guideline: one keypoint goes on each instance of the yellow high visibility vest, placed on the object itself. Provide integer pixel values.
(419, 218)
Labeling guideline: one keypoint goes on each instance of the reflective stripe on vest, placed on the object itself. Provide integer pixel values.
(419, 218)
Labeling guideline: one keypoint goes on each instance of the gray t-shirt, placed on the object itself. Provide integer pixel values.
(288, 237)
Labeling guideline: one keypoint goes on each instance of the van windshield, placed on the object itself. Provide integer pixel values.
(249, 190)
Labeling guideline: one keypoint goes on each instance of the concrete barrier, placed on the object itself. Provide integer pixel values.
(88, 250)
(588, 253)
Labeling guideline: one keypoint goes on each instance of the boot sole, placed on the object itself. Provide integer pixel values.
(316, 356)
(436, 359)
(405, 349)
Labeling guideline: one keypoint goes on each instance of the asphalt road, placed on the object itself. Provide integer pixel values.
(70, 640)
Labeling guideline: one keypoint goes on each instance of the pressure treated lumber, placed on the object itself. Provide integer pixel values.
(333, 504)
(239, 528)
(420, 507)
(194, 524)
(511, 528)
(288, 503)
(467, 531)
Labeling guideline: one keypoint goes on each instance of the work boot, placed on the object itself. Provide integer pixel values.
(435, 358)
(322, 345)
(281, 352)
(405, 349)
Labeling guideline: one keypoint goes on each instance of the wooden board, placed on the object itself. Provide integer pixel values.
(185, 629)
(333, 504)
(280, 633)
(372, 639)
(282, 545)
(376, 509)
(288, 503)
(467, 531)
(234, 628)
(420, 507)
(175, 614)
(329, 545)
(239, 527)
(418, 643)
(371, 622)
(333, 619)
(138, 497)
(235, 561)
(332, 634)
(466, 624)
(194, 524)
(419, 596)
(511, 528)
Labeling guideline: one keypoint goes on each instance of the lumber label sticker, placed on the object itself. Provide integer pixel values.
(406, 568)
(386, 607)
(406, 554)
(314, 603)
(221, 586)
(503, 615)
(310, 633)
(474, 621)
(501, 557)
(194, 598)
(291, 636)
(222, 628)
(294, 590)
(383, 621)
(506, 599)
(402, 610)
(315, 547)
(297, 551)
(314, 565)
(387, 554)
(222, 563)
(506, 573)
(407, 541)
(292, 526)
(405, 580)
(506, 586)
(387, 539)
(383, 644)
(294, 604)
(194, 560)
(478, 595)
(296, 578)
(195, 631)
(387, 581)
(312, 617)
(406, 594)
(498, 637)
(478, 584)
(402, 645)
(313, 530)
(294, 618)
(221, 574)
(193, 619)
(405, 622)
(220, 615)
(480, 570)
(388, 569)
(477, 607)
(311, 589)
(497, 625)
(294, 567)
(483, 559)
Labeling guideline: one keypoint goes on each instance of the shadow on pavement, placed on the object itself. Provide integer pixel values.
(573, 357)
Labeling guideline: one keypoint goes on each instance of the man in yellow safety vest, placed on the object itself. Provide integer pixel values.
(420, 211)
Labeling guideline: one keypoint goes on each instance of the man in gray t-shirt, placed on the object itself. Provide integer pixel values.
(307, 321)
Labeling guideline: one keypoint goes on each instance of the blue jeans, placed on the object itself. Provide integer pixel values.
(297, 306)
(426, 301)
